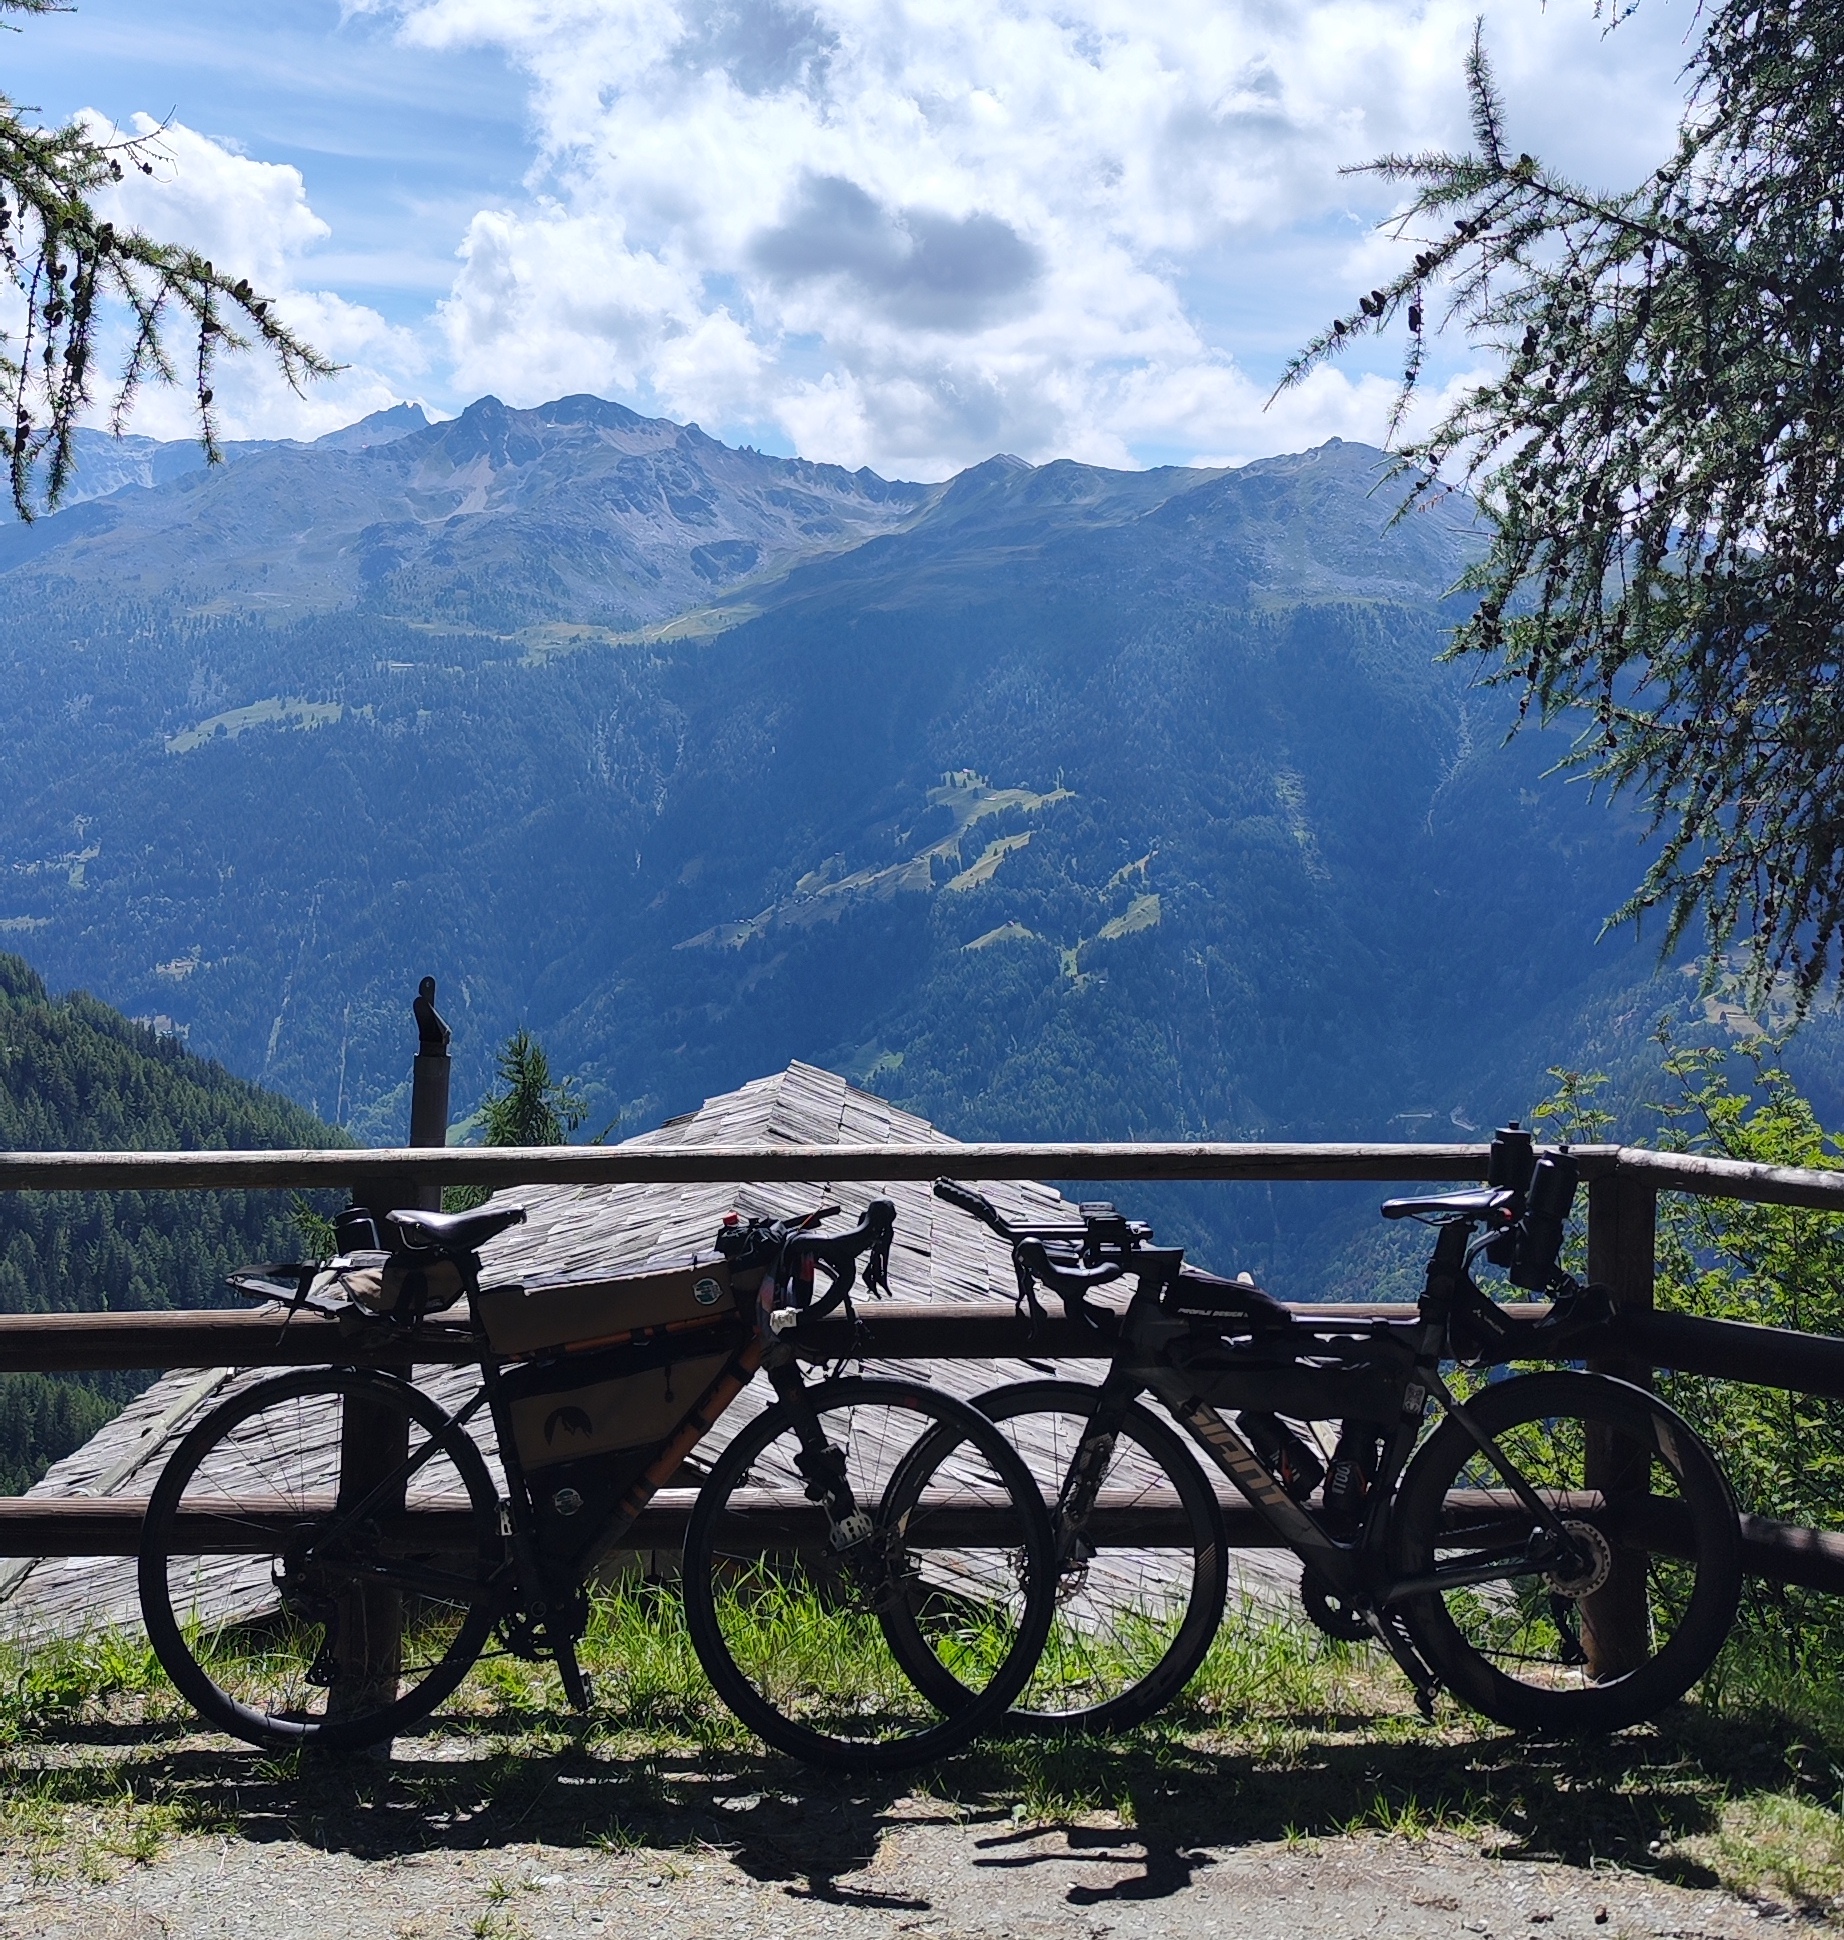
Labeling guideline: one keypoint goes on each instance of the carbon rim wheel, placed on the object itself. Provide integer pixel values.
(1637, 1614)
(953, 1560)
(257, 1584)
(1133, 1620)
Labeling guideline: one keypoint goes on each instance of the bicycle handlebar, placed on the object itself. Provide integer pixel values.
(975, 1203)
(1071, 1282)
(1031, 1259)
(782, 1245)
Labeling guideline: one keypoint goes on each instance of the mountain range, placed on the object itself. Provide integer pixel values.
(1050, 801)
(581, 513)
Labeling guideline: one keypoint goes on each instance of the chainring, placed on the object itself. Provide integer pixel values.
(529, 1637)
(1332, 1613)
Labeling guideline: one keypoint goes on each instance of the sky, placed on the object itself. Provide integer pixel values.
(898, 233)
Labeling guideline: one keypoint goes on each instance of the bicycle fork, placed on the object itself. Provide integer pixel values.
(821, 1465)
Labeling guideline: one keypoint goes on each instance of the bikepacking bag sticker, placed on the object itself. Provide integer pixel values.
(562, 1410)
(539, 1316)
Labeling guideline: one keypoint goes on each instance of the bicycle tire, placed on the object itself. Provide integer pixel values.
(1508, 1654)
(773, 1616)
(1146, 1657)
(203, 1542)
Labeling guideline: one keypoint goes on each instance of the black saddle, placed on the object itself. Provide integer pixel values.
(1237, 1306)
(456, 1232)
(1493, 1204)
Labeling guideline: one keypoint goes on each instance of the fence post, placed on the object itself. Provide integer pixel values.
(429, 1084)
(1622, 1230)
(375, 1438)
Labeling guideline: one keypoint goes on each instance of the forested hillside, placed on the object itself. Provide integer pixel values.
(76, 1075)
(1052, 801)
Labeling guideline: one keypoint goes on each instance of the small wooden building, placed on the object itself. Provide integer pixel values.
(591, 1232)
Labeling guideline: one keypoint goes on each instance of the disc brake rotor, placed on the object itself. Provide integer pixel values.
(1596, 1554)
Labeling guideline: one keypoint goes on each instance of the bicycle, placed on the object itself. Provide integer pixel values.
(1511, 1553)
(829, 1545)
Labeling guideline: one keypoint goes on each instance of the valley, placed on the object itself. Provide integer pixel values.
(1049, 802)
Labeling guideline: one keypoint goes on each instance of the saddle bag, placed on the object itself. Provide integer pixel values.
(403, 1286)
(545, 1316)
(583, 1404)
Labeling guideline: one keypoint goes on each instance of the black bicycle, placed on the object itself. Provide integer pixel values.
(1559, 1550)
(328, 1552)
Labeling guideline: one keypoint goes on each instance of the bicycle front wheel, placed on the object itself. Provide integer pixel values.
(284, 1602)
(1142, 1569)
(1635, 1618)
(805, 1637)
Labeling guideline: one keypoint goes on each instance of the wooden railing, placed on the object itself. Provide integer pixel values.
(1623, 1184)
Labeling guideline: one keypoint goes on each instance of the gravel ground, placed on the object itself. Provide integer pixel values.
(912, 1867)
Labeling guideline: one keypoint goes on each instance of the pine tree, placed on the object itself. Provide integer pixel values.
(1661, 459)
(66, 265)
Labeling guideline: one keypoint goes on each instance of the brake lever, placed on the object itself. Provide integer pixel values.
(877, 1268)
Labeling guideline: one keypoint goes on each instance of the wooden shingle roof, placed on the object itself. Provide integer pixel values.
(590, 1232)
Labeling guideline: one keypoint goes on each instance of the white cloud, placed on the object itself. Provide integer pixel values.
(912, 232)
(252, 218)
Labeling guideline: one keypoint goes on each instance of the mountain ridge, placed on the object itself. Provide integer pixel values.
(578, 510)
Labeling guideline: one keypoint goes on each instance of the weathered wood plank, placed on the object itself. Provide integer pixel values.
(976, 1328)
(636, 1163)
(887, 1331)
(111, 1526)
(1768, 1185)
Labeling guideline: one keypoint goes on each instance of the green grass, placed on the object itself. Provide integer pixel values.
(1284, 1735)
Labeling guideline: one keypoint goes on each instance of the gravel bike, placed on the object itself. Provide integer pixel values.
(328, 1552)
(1559, 1550)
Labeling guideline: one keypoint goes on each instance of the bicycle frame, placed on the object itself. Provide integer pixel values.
(524, 1582)
(1356, 1569)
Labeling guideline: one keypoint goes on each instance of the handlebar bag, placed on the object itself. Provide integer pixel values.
(542, 1316)
(593, 1404)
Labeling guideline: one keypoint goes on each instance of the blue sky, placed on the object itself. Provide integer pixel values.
(870, 232)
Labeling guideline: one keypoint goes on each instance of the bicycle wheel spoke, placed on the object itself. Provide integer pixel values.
(1134, 1617)
(1549, 1642)
(810, 1633)
(285, 1611)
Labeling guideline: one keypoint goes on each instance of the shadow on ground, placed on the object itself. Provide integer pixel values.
(1161, 1798)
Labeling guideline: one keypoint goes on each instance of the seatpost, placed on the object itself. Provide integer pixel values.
(1445, 1270)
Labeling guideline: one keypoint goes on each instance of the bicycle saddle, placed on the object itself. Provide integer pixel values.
(1490, 1203)
(458, 1232)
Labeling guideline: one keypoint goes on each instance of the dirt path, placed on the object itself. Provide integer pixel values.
(805, 1871)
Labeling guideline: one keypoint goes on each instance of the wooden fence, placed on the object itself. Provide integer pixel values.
(1623, 1184)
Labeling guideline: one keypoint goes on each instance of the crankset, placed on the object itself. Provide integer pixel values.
(1337, 1615)
(1391, 1633)
(531, 1637)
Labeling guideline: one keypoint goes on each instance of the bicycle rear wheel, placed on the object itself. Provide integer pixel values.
(807, 1642)
(289, 1615)
(1661, 1554)
(1135, 1614)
